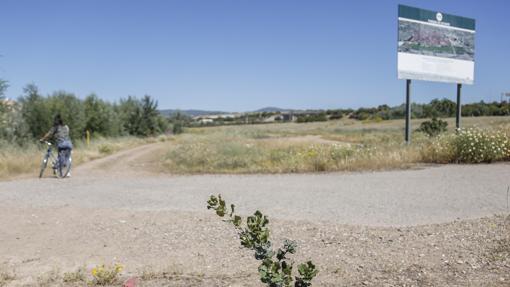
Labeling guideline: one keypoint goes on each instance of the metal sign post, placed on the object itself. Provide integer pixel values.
(408, 112)
(426, 52)
(457, 119)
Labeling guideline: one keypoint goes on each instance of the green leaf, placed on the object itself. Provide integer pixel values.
(212, 202)
(307, 271)
(237, 221)
(232, 207)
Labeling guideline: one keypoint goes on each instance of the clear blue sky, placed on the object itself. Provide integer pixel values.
(236, 55)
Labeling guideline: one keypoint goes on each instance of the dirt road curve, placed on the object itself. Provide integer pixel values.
(118, 210)
(393, 198)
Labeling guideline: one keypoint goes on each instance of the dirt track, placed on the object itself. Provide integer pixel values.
(116, 209)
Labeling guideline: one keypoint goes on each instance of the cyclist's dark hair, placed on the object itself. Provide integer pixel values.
(57, 121)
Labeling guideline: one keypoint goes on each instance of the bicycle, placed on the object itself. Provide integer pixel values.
(61, 164)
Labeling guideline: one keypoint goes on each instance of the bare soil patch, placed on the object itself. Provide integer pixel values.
(190, 249)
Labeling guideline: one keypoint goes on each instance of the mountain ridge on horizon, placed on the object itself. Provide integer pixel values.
(198, 112)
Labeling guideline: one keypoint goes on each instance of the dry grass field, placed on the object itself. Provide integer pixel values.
(343, 145)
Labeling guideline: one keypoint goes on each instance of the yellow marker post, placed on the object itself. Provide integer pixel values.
(88, 137)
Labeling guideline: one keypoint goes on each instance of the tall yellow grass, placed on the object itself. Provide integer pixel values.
(16, 160)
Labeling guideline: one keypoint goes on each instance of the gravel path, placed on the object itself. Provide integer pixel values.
(117, 210)
(393, 198)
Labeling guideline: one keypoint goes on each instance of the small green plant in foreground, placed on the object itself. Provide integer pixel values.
(276, 268)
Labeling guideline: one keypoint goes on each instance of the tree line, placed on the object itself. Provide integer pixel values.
(437, 108)
(31, 116)
(441, 108)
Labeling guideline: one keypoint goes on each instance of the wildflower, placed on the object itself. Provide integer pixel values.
(118, 268)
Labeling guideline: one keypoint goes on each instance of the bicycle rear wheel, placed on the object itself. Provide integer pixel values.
(64, 163)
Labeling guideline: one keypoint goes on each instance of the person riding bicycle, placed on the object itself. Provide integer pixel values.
(59, 133)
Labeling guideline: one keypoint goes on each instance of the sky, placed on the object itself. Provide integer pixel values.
(236, 55)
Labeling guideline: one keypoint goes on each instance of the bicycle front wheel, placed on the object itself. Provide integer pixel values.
(44, 163)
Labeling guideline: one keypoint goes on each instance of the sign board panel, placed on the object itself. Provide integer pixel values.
(435, 46)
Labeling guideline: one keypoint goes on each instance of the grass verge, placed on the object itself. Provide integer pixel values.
(15, 160)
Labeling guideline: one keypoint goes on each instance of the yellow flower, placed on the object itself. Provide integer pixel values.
(118, 268)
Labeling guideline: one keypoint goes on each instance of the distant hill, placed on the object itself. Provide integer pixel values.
(270, 110)
(275, 110)
(195, 113)
(190, 113)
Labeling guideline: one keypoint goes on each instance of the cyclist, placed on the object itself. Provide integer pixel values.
(60, 134)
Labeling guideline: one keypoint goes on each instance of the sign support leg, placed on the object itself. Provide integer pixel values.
(408, 112)
(458, 114)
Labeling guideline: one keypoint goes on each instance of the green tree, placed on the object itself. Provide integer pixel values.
(71, 109)
(440, 108)
(141, 117)
(3, 88)
(12, 126)
(149, 124)
(177, 121)
(130, 112)
(100, 117)
(35, 111)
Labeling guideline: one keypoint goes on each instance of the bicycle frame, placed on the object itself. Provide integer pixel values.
(56, 161)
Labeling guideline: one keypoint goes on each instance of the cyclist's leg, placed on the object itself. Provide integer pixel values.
(67, 156)
(59, 157)
(66, 147)
(65, 160)
(68, 160)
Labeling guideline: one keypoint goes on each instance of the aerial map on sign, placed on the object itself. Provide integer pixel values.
(435, 46)
(435, 41)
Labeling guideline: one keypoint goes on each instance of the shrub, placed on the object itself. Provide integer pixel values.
(177, 128)
(106, 275)
(475, 146)
(433, 127)
(469, 146)
(76, 276)
(276, 268)
(106, 148)
(317, 117)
